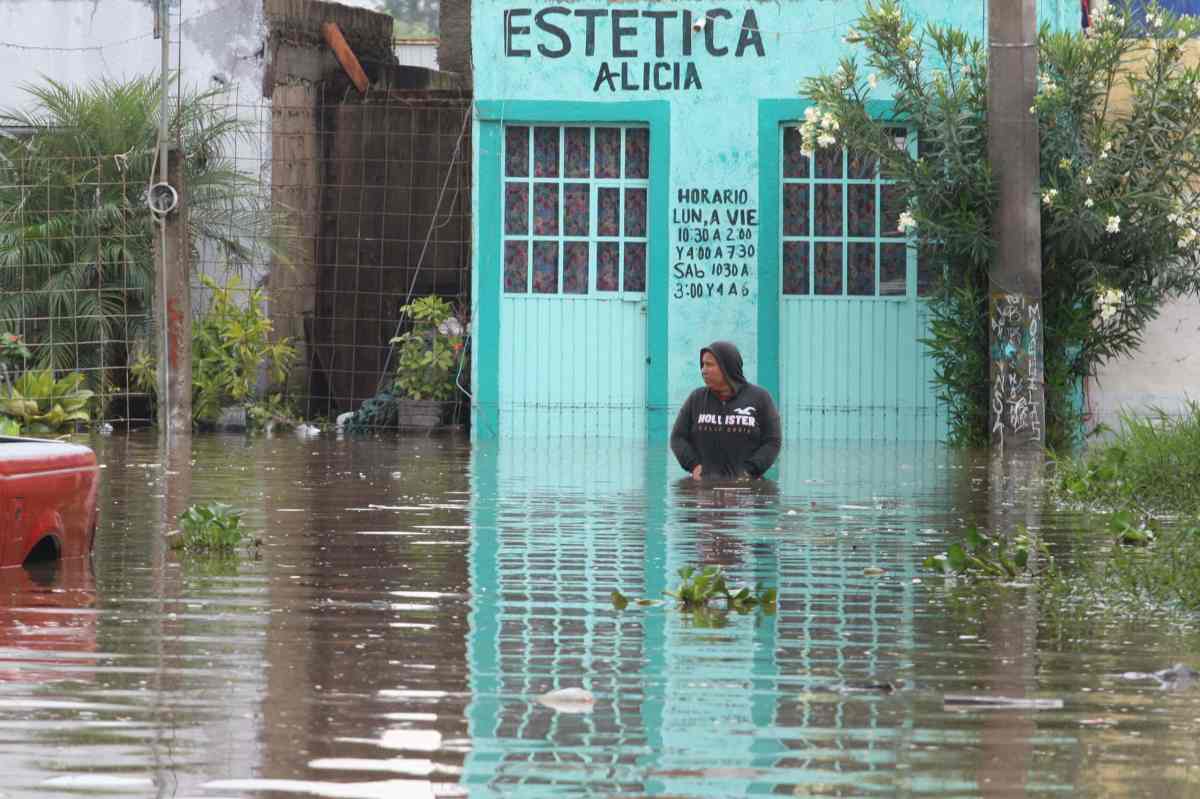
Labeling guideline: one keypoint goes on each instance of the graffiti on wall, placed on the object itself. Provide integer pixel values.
(1017, 410)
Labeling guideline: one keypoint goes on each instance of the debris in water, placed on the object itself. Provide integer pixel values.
(873, 571)
(1173, 679)
(965, 701)
(568, 700)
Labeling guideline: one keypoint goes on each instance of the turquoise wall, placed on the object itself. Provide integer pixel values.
(712, 82)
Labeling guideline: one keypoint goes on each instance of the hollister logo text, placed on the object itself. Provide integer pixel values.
(731, 422)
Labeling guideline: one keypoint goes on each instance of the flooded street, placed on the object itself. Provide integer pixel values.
(412, 598)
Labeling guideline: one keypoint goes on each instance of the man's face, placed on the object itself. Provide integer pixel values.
(710, 370)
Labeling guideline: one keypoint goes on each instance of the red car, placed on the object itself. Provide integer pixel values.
(47, 500)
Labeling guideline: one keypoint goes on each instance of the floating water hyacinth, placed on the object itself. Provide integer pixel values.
(700, 587)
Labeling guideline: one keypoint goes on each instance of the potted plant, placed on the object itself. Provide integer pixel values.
(427, 362)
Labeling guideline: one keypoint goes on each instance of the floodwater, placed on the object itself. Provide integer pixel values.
(411, 599)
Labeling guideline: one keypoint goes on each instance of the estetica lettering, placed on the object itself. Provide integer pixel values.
(620, 36)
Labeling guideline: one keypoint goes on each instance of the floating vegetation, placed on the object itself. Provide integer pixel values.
(981, 555)
(213, 528)
(709, 584)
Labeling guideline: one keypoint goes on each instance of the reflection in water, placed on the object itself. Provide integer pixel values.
(412, 599)
(47, 622)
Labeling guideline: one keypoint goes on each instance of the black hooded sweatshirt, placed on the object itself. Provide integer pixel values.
(732, 438)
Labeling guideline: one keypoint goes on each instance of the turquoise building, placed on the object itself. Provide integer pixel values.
(640, 192)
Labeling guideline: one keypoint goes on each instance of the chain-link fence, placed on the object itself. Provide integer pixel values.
(312, 221)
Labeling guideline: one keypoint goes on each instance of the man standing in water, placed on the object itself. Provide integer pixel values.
(728, 429)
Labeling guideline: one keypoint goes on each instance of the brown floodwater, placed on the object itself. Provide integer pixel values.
(411, 599)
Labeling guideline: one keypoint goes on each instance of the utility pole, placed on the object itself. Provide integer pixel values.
(1016, 389)
(172, 255)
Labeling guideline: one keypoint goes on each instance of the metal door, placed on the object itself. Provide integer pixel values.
(572, 344)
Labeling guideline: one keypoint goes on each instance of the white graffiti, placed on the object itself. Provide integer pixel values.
(1017, 368)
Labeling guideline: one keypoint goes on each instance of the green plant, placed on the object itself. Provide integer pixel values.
(76, 239)
(981, 555)
(42, 404)
(229, 343)
(1133, 529)
(1150, 463)
(9, 426)
(428, 355)
(1119, 217)
(699, 588)
(214, 528)
(273, 413)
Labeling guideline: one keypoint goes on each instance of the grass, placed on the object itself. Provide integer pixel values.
(1151, 464)
(1149, 470)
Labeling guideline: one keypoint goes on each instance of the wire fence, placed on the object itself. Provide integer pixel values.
(313, 220)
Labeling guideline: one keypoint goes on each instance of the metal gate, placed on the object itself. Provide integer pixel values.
(851, 315)
(572, 343)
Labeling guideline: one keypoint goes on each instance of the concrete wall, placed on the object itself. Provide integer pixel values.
(1163, 374)
(454, 44)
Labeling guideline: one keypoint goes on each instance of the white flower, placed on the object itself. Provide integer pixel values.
(1049, 196)
(1109, 300)
(1089, 202)
(451, 327)
(1114, 224)
(826, 140)
(812, 114)
(906, 222)
(1186, 239)
(1089, 180)
(912, 64)
(1153, 20)
(829, 122)
(1033, 109)
(873, 80)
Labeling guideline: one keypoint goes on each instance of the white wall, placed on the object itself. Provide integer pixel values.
(1162, 374)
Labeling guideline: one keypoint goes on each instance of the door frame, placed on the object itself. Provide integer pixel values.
(490, 118)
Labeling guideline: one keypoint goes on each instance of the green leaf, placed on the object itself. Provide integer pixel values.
(619, 601)
(956, 557)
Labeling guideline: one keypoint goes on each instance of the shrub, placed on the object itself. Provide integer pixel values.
(229, 344)
(1119, 218)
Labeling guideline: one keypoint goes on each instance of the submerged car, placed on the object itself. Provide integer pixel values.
(47, 500)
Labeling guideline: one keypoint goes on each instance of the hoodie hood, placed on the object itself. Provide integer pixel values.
(730, 360)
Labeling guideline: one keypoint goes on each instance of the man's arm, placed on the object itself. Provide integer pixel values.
(772, 431)
(681, 438)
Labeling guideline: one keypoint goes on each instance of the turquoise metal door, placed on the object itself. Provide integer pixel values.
(850, 316)
(574, 256)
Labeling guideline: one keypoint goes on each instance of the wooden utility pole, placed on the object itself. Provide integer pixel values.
(173, 306)
(1017, 382)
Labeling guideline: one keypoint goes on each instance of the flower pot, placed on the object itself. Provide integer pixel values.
(418, 414)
